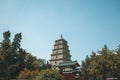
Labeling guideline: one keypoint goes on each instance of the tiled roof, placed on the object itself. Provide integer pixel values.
(67, 63)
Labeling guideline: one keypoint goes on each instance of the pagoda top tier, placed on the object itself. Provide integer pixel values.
(61, 39)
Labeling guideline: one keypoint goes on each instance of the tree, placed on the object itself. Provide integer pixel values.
(31, 62)
(13, 58)
(84, 69)
(28, 74)
(116, 65)
(105, 63)
(49, 74)
(5, 55)
(9, 55)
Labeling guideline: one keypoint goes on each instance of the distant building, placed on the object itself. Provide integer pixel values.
(61, 60)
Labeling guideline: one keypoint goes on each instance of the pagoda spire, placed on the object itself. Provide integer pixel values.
(61, 37)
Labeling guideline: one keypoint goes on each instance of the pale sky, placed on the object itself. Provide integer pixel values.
(86, 24)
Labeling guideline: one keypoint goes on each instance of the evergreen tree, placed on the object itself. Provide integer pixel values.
(101, 65)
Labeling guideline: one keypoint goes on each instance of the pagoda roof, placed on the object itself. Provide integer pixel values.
(68, 63)
(61, 38)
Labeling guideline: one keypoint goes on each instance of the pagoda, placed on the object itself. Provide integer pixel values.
(61, 60)
(60, 53)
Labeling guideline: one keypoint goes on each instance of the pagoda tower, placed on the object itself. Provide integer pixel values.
(61, 61)
(60, 53)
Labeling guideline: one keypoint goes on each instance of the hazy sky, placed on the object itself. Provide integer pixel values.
(86, 24)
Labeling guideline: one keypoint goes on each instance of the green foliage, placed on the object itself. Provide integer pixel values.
(28, 74)
(84, 70)
(105, 63)
(46, 74)
(49, 74)
(13, 59)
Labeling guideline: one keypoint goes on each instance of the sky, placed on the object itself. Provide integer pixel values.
(87, 25)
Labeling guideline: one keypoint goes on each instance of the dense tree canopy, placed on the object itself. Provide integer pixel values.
(29, 74)
(14, 59)
(50, 74)
(101, 65)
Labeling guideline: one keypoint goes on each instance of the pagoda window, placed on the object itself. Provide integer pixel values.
(55, 47)
(60, 41)
(55, 62)
(57, 42)
(60, 46)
